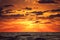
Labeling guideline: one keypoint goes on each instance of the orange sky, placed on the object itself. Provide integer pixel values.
(28, 23)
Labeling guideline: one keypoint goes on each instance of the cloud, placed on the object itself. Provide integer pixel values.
(46, 1)
(8, 5)
(1, 11)
(53, 10)
(9, 11)
(12, 16)
(56, 10)
(3, 7)
(53, 16)
(37, 21)
(27, 8)
(37, 13)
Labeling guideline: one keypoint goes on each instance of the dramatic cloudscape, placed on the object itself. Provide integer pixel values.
(29, 15)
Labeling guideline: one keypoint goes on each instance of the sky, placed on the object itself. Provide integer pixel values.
(29, 16)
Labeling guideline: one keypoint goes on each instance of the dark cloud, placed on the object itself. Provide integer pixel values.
(47, 23)
(42, 23)
(37, 21)
(1, 11)
(12, 16)
(26, 14)
(9, 11)
(53, 16)
(53, 10)
(18, 10)
(27, 8)
(8, 5)
(37, 13)
(3, 7)
(19, 15)
(56, 10)
(46, 1)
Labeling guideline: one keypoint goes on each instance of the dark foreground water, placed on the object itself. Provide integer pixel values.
(30, 36)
